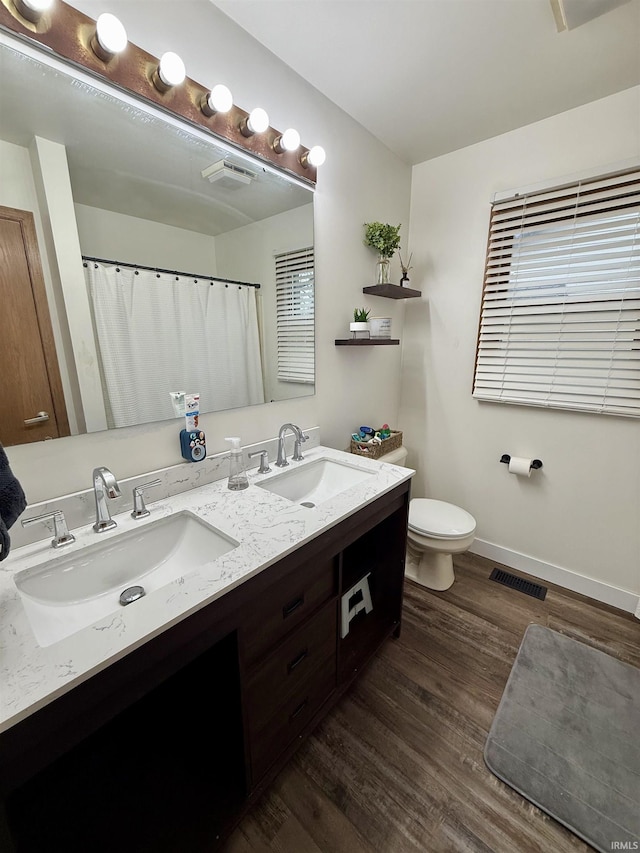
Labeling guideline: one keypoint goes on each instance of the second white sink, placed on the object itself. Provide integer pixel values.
(73, 591)
(315, 482)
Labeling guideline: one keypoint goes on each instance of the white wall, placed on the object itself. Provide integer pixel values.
(248, 253)
(361, 181)
(582, 511)
(117, 237)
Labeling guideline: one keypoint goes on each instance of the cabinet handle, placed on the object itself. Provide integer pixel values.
(288, 609)
(298, 660)
(298, 710)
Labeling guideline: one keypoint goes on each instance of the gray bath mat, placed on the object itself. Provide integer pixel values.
(567, 737)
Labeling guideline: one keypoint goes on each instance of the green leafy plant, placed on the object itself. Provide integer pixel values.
(385, 239)
(360, 315)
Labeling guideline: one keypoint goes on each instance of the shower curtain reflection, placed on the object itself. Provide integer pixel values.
(137, 314)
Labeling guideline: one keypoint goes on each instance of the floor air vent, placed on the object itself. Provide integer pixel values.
(534, 589)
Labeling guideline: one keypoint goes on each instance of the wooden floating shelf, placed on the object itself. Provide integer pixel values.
(367, 342)
(392, 291)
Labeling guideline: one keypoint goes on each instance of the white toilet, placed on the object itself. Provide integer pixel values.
(437, 531)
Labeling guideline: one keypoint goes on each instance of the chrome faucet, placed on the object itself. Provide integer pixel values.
(62, 536)
(105, 486)
(282, 453)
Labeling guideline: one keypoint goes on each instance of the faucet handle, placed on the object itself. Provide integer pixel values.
(139, 508)
(264, 460)
(297, 455)
(61, 531)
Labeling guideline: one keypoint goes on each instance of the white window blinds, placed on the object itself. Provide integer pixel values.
(560, 317)
(295, 316)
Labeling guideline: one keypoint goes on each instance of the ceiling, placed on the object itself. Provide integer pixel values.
(430, 76)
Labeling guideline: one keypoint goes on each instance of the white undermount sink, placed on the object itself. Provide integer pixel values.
(315, 482)
(78, 588)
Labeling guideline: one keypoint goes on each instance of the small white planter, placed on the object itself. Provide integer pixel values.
(359, 330)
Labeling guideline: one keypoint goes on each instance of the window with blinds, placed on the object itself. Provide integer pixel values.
(295, 316)
(560, 316)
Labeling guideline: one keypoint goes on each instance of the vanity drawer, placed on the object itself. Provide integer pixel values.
(285, 605)
(270, 741)
(287, 669)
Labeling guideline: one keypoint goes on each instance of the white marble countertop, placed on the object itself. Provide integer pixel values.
(267, 527)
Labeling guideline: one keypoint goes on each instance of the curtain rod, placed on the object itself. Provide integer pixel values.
(170, 272)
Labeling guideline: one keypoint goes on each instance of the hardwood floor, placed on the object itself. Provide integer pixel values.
(398, 764)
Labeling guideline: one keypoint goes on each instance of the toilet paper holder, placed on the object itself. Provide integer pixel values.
(535, 463)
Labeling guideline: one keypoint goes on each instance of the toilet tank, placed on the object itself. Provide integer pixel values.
(395, 457)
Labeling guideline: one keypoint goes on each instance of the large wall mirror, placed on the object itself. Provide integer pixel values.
(169, 262)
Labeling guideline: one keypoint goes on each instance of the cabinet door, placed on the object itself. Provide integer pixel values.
(269, 742)
(285, 605)
(272, 683)
(380, 553)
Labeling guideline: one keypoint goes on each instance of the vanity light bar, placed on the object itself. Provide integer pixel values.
(93, 45)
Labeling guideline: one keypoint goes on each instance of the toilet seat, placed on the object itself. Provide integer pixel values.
(439, 519)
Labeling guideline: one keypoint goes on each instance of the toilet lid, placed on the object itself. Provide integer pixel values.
(439, 519)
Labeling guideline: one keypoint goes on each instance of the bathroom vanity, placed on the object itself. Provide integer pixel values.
(156, 728)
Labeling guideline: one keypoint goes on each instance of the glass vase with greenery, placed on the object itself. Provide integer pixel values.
(385, 239)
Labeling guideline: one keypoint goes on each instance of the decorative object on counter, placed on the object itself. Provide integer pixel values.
(237, 475)
(192, 445)
(12, 503)
(405, 269)
(380, 327)
(359, 328)
(192, 441)
(385, 239)
(375, 443)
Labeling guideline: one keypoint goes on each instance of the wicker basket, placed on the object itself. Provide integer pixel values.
(375, 451)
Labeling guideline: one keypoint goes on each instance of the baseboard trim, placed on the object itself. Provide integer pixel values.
(607, 594)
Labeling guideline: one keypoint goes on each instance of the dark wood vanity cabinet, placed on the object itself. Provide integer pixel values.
(190, 728)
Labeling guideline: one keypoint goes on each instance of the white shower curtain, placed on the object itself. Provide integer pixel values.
(158, 333)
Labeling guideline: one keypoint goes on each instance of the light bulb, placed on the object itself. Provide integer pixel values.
(258, 121)
(111, 36)
(171, 70)
(32, 10)
(315, 157)
(219, 100)
(290, 139)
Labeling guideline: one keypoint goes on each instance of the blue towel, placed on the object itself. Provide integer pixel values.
(12, 503)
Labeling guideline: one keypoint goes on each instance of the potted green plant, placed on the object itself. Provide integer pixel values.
(360, 326)
(385, 239)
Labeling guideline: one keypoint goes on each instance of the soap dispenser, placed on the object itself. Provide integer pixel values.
(237, 475)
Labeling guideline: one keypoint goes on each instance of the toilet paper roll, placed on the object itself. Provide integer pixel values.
(520, 465)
